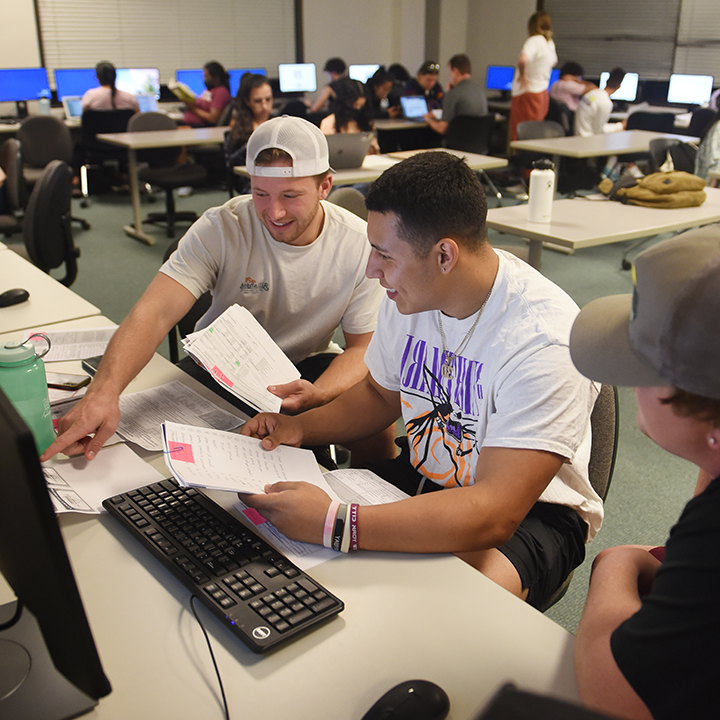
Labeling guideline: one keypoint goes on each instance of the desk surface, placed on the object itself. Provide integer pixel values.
(166, 138)
(406, 616)
(579, 223)
(49, 302)
(618, 143)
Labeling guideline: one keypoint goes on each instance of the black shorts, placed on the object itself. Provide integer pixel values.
(548, 544)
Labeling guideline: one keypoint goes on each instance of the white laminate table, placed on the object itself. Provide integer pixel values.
(579, 223)
(405, 617)
(49, 301)
(134, 141)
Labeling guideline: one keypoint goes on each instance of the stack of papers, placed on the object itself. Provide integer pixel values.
(242, 357)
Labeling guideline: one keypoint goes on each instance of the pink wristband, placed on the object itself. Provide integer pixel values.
(329, 523)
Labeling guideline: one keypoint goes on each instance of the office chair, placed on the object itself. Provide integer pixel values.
(351, 199)
(535, 130)
(472, 133)
(96, 153)
(46, 225)
(701, 121)
(561, 114)
(14, 187)
(604, 421)
(682, 154)
(658, 122)
(44, 138)
(162, 170)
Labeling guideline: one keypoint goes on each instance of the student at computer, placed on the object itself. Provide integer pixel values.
(107, 96)
(293, 260)
(349, 112)
(335, 68)
(651, 628)
(426, 84)
(570, 86)
(207, 108)
(471, 350)
(382, 103)
(595, 106)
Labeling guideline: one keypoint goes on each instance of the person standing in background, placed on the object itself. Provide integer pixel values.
(530, 97)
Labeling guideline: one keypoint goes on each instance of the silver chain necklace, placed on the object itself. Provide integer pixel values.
(446, 369)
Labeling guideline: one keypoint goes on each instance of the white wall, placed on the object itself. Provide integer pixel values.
(19, 46)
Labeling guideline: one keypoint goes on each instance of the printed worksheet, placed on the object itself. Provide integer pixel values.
(75, 344)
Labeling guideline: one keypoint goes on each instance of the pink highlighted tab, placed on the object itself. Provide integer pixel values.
(182, 452)
(220, 375)
(254, 516)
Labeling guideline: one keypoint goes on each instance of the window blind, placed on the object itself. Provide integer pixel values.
(698, 42)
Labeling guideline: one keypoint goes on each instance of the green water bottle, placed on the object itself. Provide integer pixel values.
(22, 379)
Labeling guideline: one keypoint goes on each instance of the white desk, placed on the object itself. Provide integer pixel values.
(49, 302)
(406, 616)
(134, 141)
(578, 223)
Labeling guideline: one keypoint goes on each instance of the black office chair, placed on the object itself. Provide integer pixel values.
(560, 113)
(658, 122)
(682, 154)
(44, 138)
(472, 133)
(14, 187)
(96, 153)
(46, 225)
(161, 169)
(701, 121)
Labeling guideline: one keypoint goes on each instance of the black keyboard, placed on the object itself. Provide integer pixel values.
(255, 591)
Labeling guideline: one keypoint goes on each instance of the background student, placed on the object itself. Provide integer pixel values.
(207, 108)
(107, 96)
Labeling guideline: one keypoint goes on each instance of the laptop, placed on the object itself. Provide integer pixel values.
(348, 150)
(72, 104)
(414, 107)
(147, 102)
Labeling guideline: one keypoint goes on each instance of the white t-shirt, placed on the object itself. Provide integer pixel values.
(514, 385)
(593, 113)
(541, 58)
(99, 98)
(298, 294)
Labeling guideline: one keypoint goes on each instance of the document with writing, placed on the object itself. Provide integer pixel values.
(198, 457)
(76, 344)
(237, 351)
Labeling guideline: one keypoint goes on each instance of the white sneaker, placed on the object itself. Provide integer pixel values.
(185, 191)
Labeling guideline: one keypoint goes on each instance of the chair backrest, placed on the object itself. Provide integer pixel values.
(351, 199)
(658, 122)
(470, 133)
(151, 121)
(46, 225)
(95, 122)
(682, 154)
(11, 163)
(225, 115)
(539, 129)
(44, 138)
(560, 113)
(701, 121)
(604, 421)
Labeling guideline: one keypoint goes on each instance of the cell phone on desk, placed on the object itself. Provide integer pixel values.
(90, 365)
(66, 381)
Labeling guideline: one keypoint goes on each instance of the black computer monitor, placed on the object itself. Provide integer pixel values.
(236, 76)
(74, 81)
(689, 89)
(138, 80)
(19, 85)
(627, 92)
(499, 77)
(362, 72)
(297, 77)
(48, 617)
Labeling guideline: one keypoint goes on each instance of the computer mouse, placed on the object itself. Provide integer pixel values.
(411, 700)
(13, 297)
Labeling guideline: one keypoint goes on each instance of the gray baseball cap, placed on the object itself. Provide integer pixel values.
(668, 331)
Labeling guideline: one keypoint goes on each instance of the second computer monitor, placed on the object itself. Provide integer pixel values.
(690, 89)
(74, 81)
(627, 92)
(138, 80)
(297, 77)
(499, 77)
(236, 76)
(362, 72)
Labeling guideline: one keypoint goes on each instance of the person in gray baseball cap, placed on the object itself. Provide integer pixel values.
(651, 623)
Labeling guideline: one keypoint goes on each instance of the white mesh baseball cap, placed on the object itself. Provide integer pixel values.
(300, 139)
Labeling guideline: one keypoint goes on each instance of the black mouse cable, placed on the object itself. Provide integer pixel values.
(212, 654)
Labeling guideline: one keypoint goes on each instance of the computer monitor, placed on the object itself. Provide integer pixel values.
(50, 665)
(362, 72)
(74, 81)
(690, 89)
(499, 77)
(554, 76)
(297, 77)
(194, 79)
(627, 92)
(23, 84)
(236, 76)
(138, 80)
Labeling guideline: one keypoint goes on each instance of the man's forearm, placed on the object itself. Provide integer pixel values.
(347, 369)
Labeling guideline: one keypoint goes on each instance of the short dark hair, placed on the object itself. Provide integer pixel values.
(461, 63)
(572, 68)
(617, 75)
(335, 65)
(434, 195)
(686, 404)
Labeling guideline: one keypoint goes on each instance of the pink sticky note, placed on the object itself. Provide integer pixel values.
(218, 373)
(182, 452)
(254, 516)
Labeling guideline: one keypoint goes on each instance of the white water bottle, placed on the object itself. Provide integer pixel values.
(44, 105)
(542, 191)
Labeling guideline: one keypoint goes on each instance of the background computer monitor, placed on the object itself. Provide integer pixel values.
(499, 77)
(554, 76)
(362, 72)
(35, 564)
(627, 92)
(23, 84)
(138, 80)
(74, 81)
(690, 89)
(297, 77)
(237, 73)
(194, 79)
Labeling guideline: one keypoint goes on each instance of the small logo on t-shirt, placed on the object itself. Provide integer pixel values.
(252, 287)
